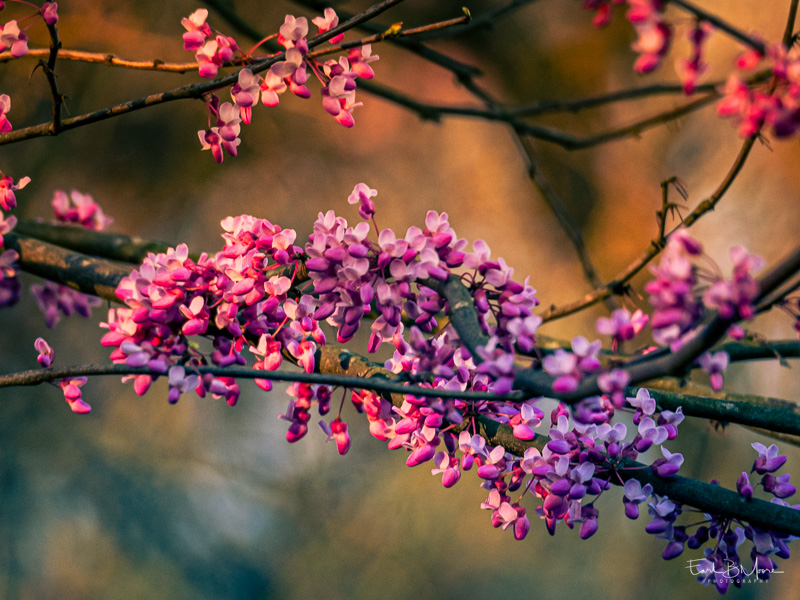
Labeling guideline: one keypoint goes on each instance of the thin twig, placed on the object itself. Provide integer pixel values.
(110, 60)
(706, 497)
(788, 30)
(192, 91)
(50, 73)
(619, 283)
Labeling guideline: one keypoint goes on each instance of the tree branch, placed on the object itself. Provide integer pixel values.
(191, 91)
(618, 284)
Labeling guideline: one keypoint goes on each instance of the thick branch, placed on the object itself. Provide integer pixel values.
(78, 271)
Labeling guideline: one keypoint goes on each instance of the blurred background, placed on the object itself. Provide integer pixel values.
(140, 499)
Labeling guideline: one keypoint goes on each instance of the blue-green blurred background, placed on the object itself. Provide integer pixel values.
(140, 499)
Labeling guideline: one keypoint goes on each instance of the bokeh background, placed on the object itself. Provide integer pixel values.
(144, 500)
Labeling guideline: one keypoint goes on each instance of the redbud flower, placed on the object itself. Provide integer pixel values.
(12, 37)
(292, 31)
(328, 22)
(669, 465)
(768, 460)
(49, 13)
(7, 188)
(337, 431)
(635, 494)
(197, 30)
(5, 107)
(80, 209)
(72, 394)
(715, 365)
(359, 59)
(363, 194)
(690, 70)
(46, 354)
(6, 225)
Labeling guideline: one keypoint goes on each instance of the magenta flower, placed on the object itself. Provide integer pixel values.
(46, 354)
(6, 225)
(669, 465)
(689, 70)
(447, 465)
(337, 430)
(80, 209)
(7, 188)
(359, 59)
(622, 325)
(49, 13)
(72, 394)
(635, 494)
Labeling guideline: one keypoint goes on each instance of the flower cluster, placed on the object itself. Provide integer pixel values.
(752, 107)
(53, 299)
(722, 564)
(9, 270)
(234, 299)
(70, 387)
(185, 313)
(750, 99)
(678, 306)
(337, 77)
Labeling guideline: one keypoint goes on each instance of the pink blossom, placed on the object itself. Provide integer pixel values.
(7, 188)
(49, 13)
(689, 70)
(328, 22)
(359, 59)
(714, 364)
(214, 53)
(246, 92)
(54, 300)
(5, 107)
(80, 209)
(337, 430)
(46, 354)
(72, 394)
(293, 31)
(197, 30)
(362, 195)
(6, 225)
(12, 37)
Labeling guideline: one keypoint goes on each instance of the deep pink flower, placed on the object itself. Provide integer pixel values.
(7, 188)
(328, 22)
(337, 431)
(72, 394)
